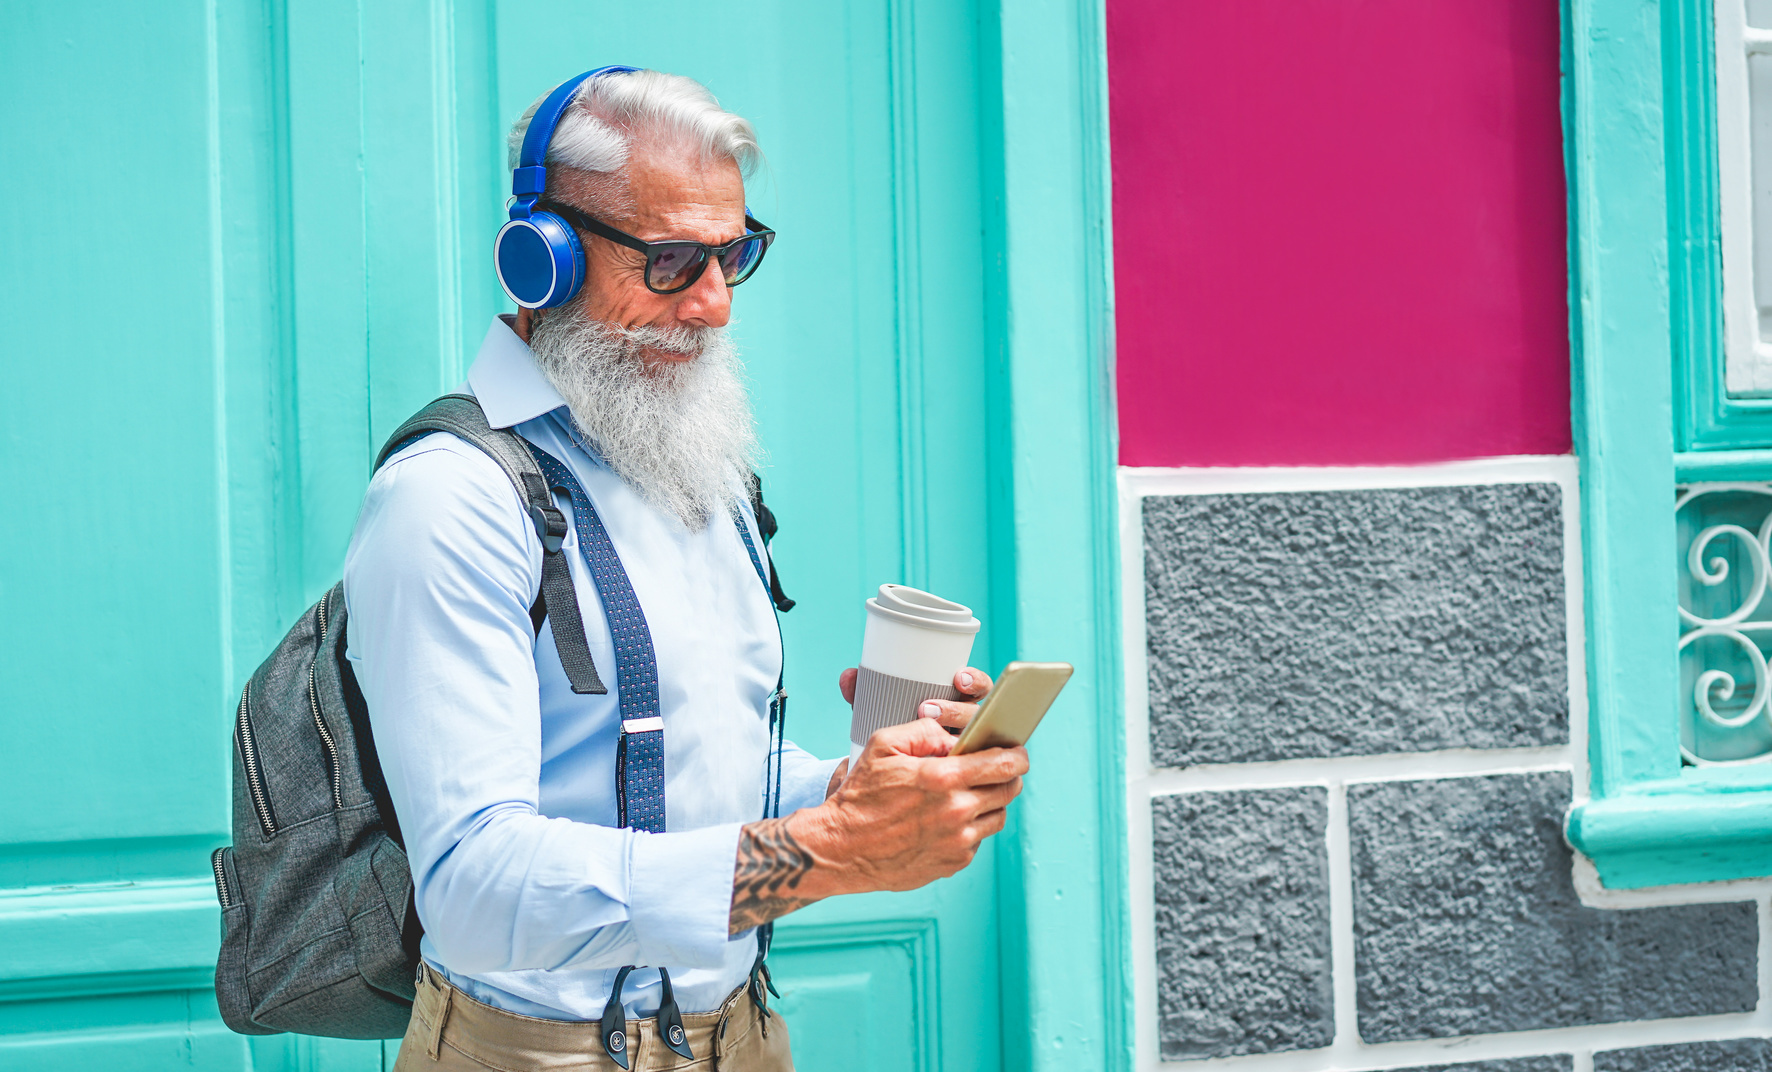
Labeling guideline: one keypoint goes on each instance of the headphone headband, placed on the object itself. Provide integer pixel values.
(530, 177)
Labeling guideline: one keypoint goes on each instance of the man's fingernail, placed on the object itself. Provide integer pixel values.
(929, 710)
(965, 680)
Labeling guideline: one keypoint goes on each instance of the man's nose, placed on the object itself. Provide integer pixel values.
(708, 302)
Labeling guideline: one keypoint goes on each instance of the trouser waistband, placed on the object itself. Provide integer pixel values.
(444, 1016)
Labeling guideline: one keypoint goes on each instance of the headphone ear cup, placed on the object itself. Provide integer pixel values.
(540, 261)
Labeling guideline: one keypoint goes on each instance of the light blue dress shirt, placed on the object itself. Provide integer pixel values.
(504, 779)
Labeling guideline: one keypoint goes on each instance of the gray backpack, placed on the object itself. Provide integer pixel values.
(319, 931)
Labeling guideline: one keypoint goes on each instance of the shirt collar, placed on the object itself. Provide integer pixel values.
(506, 380)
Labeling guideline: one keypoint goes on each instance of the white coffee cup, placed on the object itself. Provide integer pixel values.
(912, 647)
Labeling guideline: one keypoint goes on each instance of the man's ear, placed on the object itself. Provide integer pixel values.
(525, 323)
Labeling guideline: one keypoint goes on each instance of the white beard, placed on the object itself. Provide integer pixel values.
(680, 434)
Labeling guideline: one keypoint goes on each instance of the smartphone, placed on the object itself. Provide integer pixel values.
(1013, 707)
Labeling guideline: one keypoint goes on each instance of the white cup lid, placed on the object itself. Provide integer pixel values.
(913, 606)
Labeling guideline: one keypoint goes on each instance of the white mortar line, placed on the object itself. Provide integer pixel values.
(1559, 469)
(1763, 1012)
(1575, 608)
(1586, 1039)
(1341, 926)
(1143, 928)
(1401, 766)
(1582, 1061)
(1141, 866)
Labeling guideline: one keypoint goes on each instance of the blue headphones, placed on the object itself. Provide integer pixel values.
(539, 259)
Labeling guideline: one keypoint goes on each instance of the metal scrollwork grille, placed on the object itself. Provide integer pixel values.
(1725, 622)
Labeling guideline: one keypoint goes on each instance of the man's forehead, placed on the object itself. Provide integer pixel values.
(681, 185)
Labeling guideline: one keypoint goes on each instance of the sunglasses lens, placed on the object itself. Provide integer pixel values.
(675, 268)
(740, 261)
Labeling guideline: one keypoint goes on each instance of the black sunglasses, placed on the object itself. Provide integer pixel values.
(675, 265)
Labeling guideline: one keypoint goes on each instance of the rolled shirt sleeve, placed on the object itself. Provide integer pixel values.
(682, 906)
(804, 778)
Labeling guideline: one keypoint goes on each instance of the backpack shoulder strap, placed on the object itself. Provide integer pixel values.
(555, 601)
(767, 526)
(461, 416)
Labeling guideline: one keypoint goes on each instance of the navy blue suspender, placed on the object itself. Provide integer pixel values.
(639, 780)
(640, 791)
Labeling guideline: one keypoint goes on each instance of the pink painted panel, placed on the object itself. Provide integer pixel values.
(1338, 231)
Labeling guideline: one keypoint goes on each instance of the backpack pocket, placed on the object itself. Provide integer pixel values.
(374, 889)
(232, 995)
(313, 991)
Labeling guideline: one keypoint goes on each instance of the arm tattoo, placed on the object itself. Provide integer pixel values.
(769, 868)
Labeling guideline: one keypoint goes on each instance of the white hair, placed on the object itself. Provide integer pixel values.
(610, 112)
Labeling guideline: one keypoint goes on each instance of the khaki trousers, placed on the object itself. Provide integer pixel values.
(451, 1032)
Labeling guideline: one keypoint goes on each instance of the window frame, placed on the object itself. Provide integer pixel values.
(1729, 79)
(1640, 145)
(1709, 419)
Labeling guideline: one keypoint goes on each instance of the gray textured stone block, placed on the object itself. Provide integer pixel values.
(1466, 921)
(1242, 901)
(1556, 1062)
(1734, 1055)
(1354, 622)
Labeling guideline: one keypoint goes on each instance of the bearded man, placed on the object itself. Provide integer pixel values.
(537, 903)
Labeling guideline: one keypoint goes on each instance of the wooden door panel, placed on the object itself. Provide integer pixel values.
(861, 996)
(135, 280)
(110, 474)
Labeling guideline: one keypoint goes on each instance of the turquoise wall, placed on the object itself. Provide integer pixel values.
(239, 241)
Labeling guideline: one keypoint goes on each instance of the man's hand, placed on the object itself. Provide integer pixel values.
(907, 815)
(969, 681)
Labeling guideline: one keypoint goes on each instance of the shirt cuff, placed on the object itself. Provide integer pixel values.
(803, 784)
(680, 895)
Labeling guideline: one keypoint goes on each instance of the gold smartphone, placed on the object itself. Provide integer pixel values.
(1014, 706)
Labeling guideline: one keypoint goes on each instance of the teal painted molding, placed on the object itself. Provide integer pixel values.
(1694, 466)
(129, 937)
(104, 862)
(914, 939)
(1657, 839)
(177, 1032)
(199, 1047)
(1056, 336)
(1622, 399)
(1639, 145)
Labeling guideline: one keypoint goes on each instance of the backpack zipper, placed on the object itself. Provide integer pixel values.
(326, 740)
(255, 783)
(221, 879)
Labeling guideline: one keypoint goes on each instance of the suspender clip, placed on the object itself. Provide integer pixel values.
(670, 1021)
(615, 1022)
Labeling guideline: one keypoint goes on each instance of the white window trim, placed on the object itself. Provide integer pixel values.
(1748, 358)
